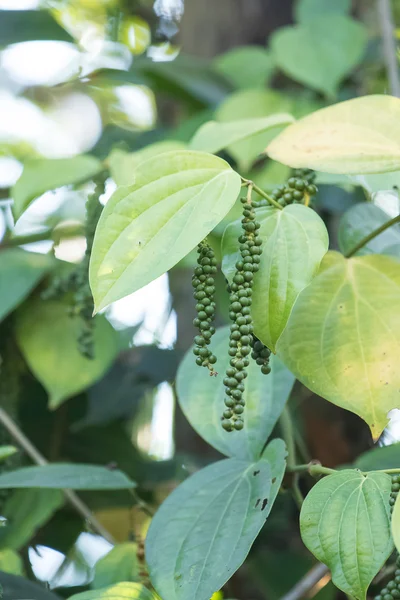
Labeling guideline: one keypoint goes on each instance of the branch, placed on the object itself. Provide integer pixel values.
(260, 192)
(318, 576)
(389, 46)
(372, 235)
(39, 459)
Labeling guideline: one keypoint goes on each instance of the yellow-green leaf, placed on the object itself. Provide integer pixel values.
(353, 137)
(120, 591)
(214, 136)
(6, 451)
(47, 337)
(343, 336)
(120, 564)
(396, 522)
(147, 228)
(11, 562)
(246, 66)
(345, 523)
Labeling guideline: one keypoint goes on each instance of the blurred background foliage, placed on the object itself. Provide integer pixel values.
(120, 80)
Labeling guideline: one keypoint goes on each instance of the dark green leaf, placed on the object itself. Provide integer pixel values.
(386, 457)
(29, 25)
(204, 530)
(66, 476)
(15, 588)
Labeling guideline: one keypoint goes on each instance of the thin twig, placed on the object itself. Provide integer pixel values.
(389, 46)
(260, 192)
(372, 235)
(308, 582)
(39, 459)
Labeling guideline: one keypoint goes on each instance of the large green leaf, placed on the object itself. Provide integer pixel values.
(361, 220)
(120, 564)
(343, 335)
(246, 66)
(204, 530)
(201, 398)
(41, 175)
(66, 476)
(147, 228)
(20, 272)
(385, 457)
(251, 104)
(307, 10)
(120, 591)
(11, 562)
(320, 53)
(345, 523)
(353, 137)
(295, 240)
(26, 511)
(123, 164)
(30, 25)
(47, 337)
(214, 136)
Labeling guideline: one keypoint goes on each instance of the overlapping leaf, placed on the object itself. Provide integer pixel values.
(358, 222)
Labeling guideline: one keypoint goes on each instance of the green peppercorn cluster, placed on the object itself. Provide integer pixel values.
(306, 174)
(204, 290)
(297, 190)
(76, 282)
(241, 337)
(391, 591)
(261, 354)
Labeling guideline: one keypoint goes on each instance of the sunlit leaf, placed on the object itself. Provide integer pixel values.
(41, 175)
(214, 136)
(343, 336)
(308, 10)
(354, 137)
(246, 66)
(147, 228)
(20, 272)
(11, 562)
(320, 53)
(47, 337)
(120, 564)
(120, 591)
(204, 530)
(358, 222)
(7, 451)
(64, 475)
(294, 242)
(201, 398)
(345, 523)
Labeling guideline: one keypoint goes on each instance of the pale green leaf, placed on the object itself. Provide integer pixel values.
(43, 174)
(307, 10)
(11, 562)
(214, 136)
(320, 53)
(204, 530)
(20, 272)
(396, 523)
(345, 523)
(353, 137)
(6, 451)
(26, 511)
(120, 591)
(66, 476)
(201, 398)
(343, 336)
(358, 222)
(123, 164)
(378, 182)
(120, 564)
(295, 240)
(147, 228)
(246, 66)
(251, 104)
(47, 337)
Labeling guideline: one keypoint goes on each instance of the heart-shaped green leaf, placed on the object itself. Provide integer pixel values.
(120, 564)
(320, 53)
(20, 272)
(41, 175)
(295, 240)
(345, 138)
(214, 136)
(345, 523)
(246, 66)
(204, 530)
(201, 398)
(120, 591)
(47, 337)
(343, 336)
(66, 476)
(358, 222)
(147, 228)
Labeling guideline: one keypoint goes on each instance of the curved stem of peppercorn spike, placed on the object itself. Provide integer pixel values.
(372, 235)
(260, 192)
